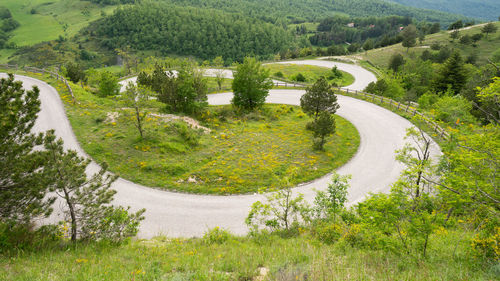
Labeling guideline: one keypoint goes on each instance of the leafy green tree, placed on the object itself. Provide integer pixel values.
(455, 35)
(299, 77)
(397, 60)
(137, 97)
(10, 24)
(410, 36)
(489, 97)
(452, 75)
(280, 211)
(88, 200)
(23, 177)
(489, 28)
(456, 25)
(368, 45)
(319, 97)
(251, 85)
(466, 39)
(75, 72)
(453, 109)
(182, 91)
(329, 203)
(108, 84)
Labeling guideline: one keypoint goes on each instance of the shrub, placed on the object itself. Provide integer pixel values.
(216, 235)
(189, 135)
(299, 77)
(328, 232)
(279, 74)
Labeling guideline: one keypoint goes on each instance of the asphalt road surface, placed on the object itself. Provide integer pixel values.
(373, 168)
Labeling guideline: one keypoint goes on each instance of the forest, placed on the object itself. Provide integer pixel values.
(314, 10)
(196, 32)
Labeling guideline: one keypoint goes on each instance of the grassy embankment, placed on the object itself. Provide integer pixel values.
(485, 47)
(224, 257)
(310, 72)
(240, 155)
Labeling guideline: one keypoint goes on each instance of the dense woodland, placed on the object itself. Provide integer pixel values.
(190, 31)
(313, 10)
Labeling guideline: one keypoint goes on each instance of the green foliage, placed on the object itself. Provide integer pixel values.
(427, 100)
(329, 203)
(338, 30)
(452, 75)
(397, 60)
(87, 200)
(216, 235)
(387, 87)
(112, 2)
(299, 77)
(303, 10)
(189, 31)
(281, 212)
(489, 28)
(75, 72)
(409, 35)
(23, 174)
(453, 109)
(319, 97)
(5, 13)
(108, 84)
(183, 91)
(322, 127)
(251, 85)
(10, 24)
(137, 98)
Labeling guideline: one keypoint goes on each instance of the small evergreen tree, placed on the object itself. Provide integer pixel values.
(489, 28)
(452, 75)
(88, 200)
(319, 97)
(409, 35)
(322, 127)
(23, 177)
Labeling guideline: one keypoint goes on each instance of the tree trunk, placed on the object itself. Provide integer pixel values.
(72, 214)
(139, 121)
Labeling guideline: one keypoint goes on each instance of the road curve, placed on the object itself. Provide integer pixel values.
(373, 168)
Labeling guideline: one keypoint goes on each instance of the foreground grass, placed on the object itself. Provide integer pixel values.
(310, 72)
(240, 155)
(242, 258)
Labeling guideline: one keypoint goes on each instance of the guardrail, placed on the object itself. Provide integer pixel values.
(42, 71)
(409, 107)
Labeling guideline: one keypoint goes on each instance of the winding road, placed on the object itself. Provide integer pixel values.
(373, 168)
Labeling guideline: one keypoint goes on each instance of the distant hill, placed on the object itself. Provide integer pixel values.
(315, 10)
(481, 9)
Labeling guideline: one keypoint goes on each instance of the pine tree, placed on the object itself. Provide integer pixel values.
(23, 177)
(452, 75)
(319, 97)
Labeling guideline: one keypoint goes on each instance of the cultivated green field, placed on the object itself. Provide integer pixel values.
(52, 18)
(485, 47)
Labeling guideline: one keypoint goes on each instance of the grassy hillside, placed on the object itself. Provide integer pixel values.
(265, 257)
(484, 49)
(51, 18)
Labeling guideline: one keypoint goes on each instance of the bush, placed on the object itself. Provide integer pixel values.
(189, 135)
(216, 235)
(5, 13)
(10, 24)
(452, 109)
(22, 237)
(299, 77)
(279, 74)
(328, 232)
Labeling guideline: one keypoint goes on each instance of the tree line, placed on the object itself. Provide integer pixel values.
(189, 31)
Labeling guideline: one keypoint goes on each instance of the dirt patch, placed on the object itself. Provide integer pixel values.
(111, 117)
(188, 120)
